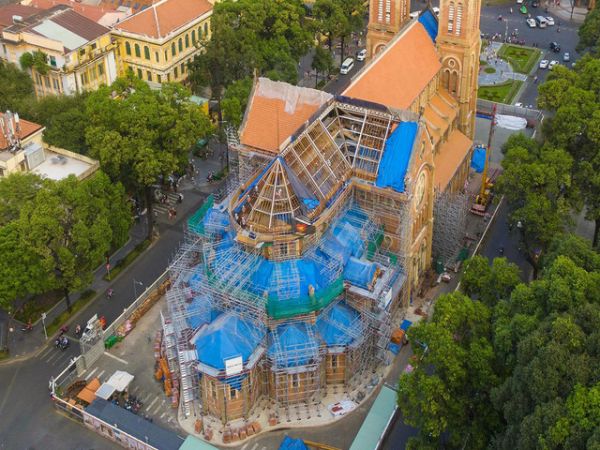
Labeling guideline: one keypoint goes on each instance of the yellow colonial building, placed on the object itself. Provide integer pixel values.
(79, 51)
(158, 42)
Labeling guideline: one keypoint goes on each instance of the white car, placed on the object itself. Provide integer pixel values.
(552, 64)
(519, 2)
(531, 23)
(436, 10)
(544, 64)
(519, 105)
(360, 56)
(414, 14)
(549, 21)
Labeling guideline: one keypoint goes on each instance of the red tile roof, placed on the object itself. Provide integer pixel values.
(449, 157)
(165, 17)
(399, 74)
(26, 129)
(275, 111)
(8, 11)
(92, 12)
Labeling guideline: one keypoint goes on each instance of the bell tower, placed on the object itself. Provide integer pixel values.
(386, 17)
(459, 44)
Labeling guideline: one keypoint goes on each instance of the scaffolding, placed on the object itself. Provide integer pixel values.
(450, 211)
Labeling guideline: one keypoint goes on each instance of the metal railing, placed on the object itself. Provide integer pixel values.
(112, 328)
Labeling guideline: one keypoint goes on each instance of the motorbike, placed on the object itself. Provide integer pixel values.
(27, 328)
(62, 343)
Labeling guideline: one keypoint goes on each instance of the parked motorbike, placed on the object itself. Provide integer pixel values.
(62, 342)
(27, 327)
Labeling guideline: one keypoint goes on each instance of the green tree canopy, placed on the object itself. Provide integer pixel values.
(574, 96)
(589, 32)
(70, 225)
(322, 62)
(489, 284)
(17, 87)
(267, 35)
(447, 396)
(139, 134)
(235, 100)
(536, 182)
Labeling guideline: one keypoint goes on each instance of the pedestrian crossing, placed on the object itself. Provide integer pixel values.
(253, 446)
(163, 208)
(55, 357)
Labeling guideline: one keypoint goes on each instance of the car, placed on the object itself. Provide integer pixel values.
(519, 2)
(361, 55)
(566, 57)
(414, 14)
(436, 10)
(544, 64)
(549, 21)
(519, 105)
(552, 64)
(555, 47)
(531, 23)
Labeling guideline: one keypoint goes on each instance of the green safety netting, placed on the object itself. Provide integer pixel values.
(196, 222)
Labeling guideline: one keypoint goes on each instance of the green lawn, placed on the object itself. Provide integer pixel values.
(522, 59)
(489, 70)
(501, 93)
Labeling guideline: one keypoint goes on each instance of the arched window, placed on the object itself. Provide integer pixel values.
(180, 45)
(137, 51)
(146, 52)
(199, 32)
(205, 29)
(128, 48)
(173, 50)
(187, 41)
(193, 36)
(453, 85)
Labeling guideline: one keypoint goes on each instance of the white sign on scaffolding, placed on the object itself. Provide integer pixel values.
(233, 366)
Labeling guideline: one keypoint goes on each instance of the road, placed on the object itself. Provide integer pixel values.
(567, 38)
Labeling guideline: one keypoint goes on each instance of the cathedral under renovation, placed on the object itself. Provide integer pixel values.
(294, 281)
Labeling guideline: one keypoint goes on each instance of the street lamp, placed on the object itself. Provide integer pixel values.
(505, 30)
(135, 283)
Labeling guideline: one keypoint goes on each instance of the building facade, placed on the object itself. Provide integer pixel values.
(80, 55)
(157, 43)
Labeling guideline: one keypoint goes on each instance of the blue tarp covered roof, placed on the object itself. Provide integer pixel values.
(430, 23)
(396, 156)
(292, 444)
(215, 221)
(199, 311)
(293, 345)
(478, 159)
(359, 273)
(227, 337)
(333, 326)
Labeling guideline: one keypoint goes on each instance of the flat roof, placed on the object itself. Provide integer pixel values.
(193, 443)
(57, 167)
(376, 422)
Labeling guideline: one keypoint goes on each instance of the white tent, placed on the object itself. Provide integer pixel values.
(120, 380)
(105, 391)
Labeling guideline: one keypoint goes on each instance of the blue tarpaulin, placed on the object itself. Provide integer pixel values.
(430, 23)
(215, 221)
(478, 159)
(227, 337)
(359, 273)
(292, 444)
(293, 345)
(405, 324)
(396, 155)
(335, 325)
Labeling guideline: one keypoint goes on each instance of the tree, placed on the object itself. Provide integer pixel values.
(65, 120)
(16, 87)
(589, 32)
(70, 225)
(140, 135)
(537, 185)
(489, 284)
(16, 190)
(235, 100)
(322, 62)
(574, 95)
(329, 18)
(268, 36)
(37, 60)
(354, 11)
(447, 396)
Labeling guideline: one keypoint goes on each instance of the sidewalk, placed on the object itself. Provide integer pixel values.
(25, 345)
(564, 12)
